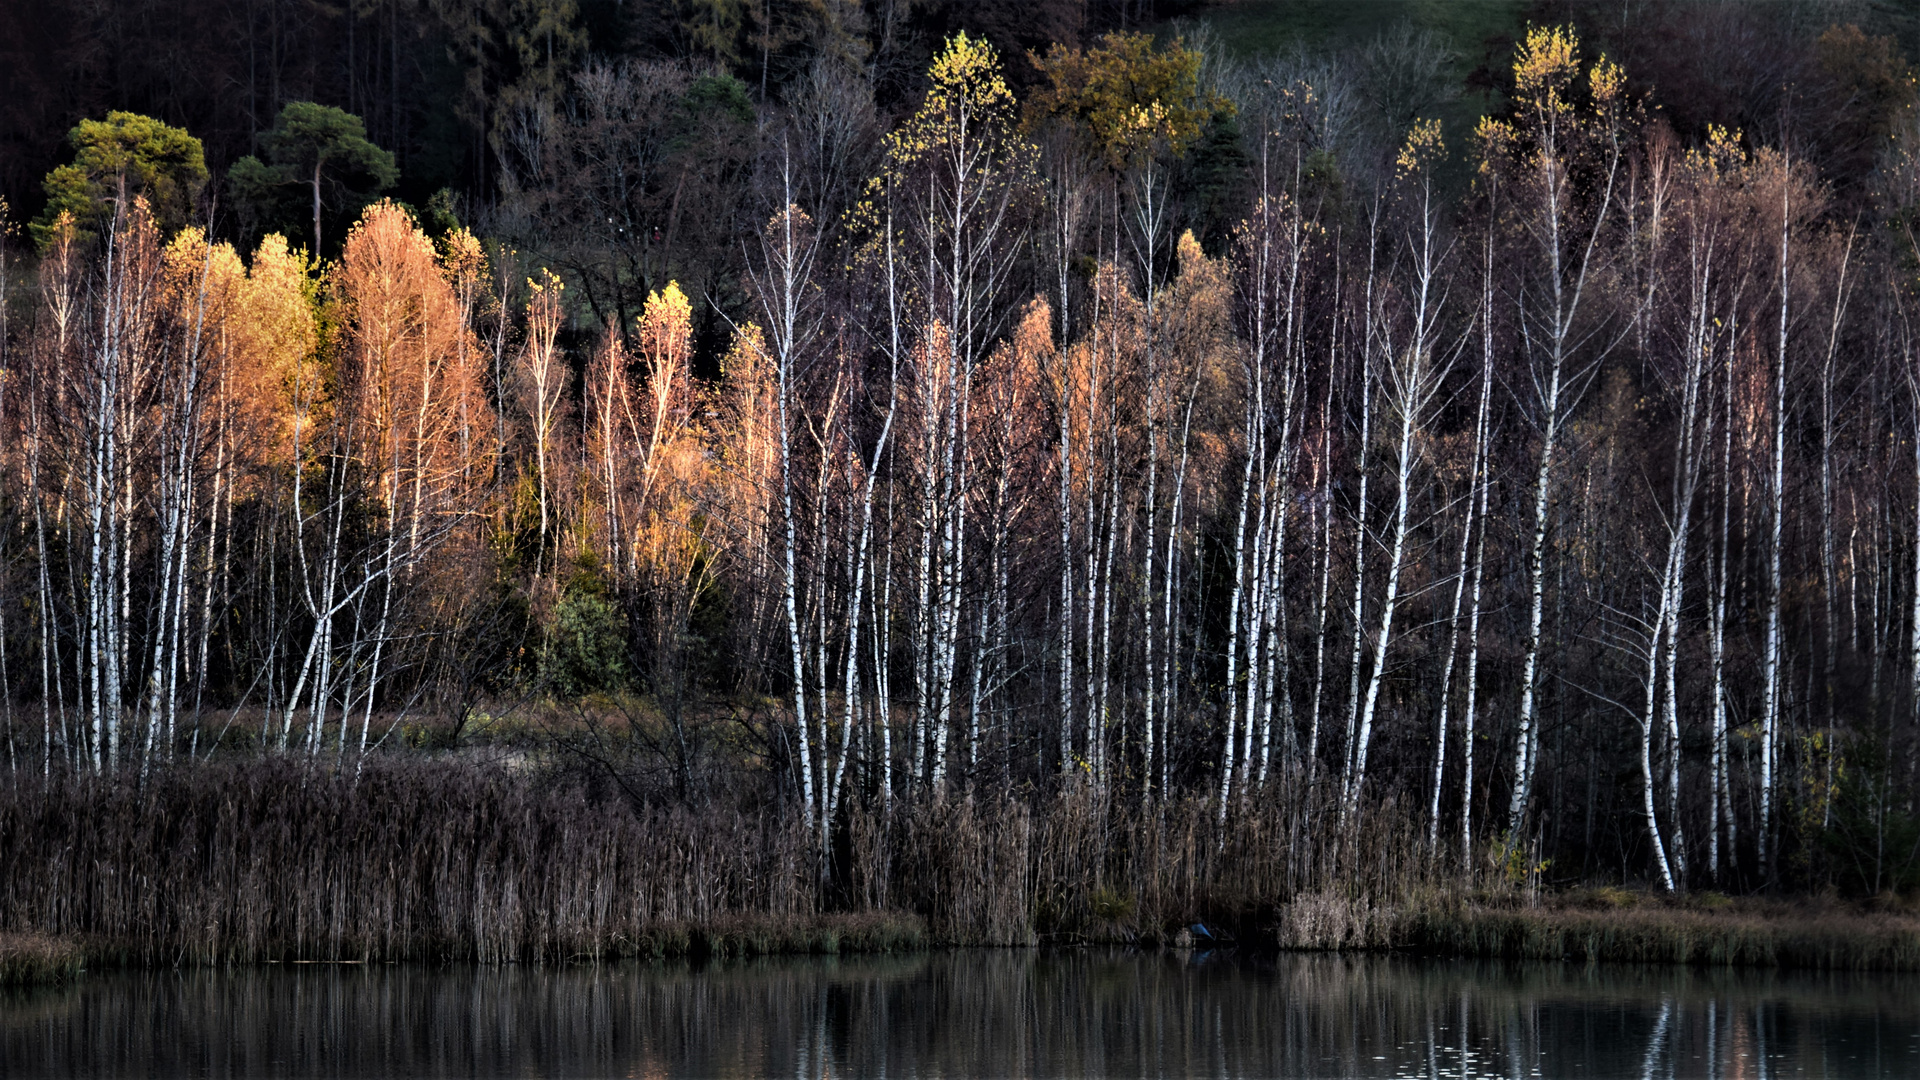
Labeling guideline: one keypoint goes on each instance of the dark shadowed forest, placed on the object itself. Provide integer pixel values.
(518, 478)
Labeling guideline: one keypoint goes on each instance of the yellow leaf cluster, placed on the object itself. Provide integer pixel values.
(1546, 62)
(1607, 81)
(969, 92)
(1423, 147)
(1128, 94)
(255, 334)
(1721, 154)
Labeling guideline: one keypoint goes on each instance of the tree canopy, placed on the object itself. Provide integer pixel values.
(1128, 92)
(124, 155)
(321, 147)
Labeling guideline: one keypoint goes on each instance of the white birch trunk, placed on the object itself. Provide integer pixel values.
(1770, 701)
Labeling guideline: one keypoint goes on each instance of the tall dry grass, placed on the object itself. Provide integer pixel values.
(1082, 866)
(1809, 934)
(38, 958)
(270, 858)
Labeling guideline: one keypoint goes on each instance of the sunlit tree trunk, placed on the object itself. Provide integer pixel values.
(1470, 567)
(544, 369)
(788, 252)
(1361, 527)
(866, 470)
(1829, 572)
(1323, 502)
(1722, 554)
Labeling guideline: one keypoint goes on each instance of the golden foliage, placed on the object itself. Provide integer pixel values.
(608, 422)
(743, 440)
(967, 109)
(1095, 384)
(1556, 119)
(1128, 94)
(1545, 64)
(1721, 155)
(1004, 420)
(1606, 82)
(746, 422)
(410, 373)
(672, 466)
(967, 74)
(666, 346)
(277, 381)
(1495, 139)
(1423, 147)
(542, 371)
(1198, 333)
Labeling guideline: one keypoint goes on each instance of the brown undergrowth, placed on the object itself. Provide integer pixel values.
(1611, 925)
(261, 858)
(416, 857)
(38, 958)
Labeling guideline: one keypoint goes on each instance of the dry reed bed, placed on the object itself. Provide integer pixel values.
(271, 859)
(267, 859)
(38, 958)
(424, 858)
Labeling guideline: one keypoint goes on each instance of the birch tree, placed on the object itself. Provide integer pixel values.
(788, 299)
(543, 375)
(1559, 160)
(1416, 365)
(959, 178)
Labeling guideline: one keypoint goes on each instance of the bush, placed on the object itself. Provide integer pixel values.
(585, 645)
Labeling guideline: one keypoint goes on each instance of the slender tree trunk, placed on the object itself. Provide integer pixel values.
(1770, 707)
(1467, 570)
(1722, 808)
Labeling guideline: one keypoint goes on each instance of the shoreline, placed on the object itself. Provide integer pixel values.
(30, 959)
(1754, 934)
(408, 859)
(1804, 933)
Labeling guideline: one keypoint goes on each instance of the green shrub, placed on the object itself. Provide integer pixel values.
(585, 646)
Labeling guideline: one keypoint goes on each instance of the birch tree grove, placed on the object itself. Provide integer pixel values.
(1539, 497)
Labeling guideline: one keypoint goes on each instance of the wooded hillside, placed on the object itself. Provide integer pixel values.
(738, 415)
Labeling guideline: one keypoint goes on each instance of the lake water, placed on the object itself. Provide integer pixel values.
(976, 1013)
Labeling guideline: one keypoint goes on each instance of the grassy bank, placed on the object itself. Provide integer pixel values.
(38, 958)
(1710, 932)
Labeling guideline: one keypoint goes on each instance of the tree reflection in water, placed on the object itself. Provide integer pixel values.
(1010, 1013)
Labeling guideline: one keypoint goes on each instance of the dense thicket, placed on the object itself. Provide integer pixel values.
(1231, 448)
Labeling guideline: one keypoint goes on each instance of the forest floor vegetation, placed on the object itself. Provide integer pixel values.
(1706, 929)
(38, 958)
(502, 854)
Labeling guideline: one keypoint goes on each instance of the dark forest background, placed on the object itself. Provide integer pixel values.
(436, 80)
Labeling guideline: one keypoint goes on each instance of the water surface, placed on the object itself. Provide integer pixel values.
(1009, 1013)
